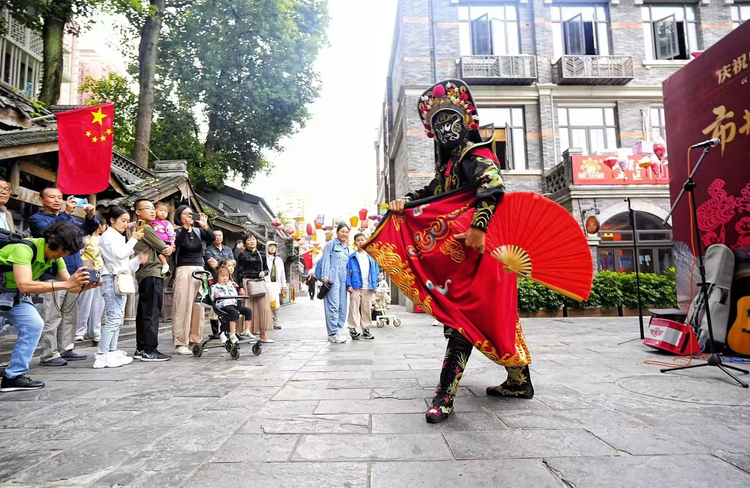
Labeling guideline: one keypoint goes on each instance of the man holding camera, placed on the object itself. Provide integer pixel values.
(21, 265)
(60, 308)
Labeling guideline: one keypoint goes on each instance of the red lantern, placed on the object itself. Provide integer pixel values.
(309, 229)
(277, 223)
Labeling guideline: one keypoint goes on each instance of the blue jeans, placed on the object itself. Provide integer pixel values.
(29, 324)
(114, 310)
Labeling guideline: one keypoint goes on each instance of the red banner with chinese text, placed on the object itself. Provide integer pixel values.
(461, 288)
(591, 170)
(85, 138)
(710, 97)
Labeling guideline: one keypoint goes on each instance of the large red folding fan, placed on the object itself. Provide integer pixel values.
(538, 239)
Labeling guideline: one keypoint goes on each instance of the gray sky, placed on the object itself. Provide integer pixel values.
(331, 162)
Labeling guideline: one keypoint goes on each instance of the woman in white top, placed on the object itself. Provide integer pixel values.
(275, 279)
(116, 252)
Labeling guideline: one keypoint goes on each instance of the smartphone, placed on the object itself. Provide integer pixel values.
(81, 202)
(93, 275)
(140, 226)
(196, 217)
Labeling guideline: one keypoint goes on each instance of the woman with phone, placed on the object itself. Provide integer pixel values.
(187, 317)
(115, 252)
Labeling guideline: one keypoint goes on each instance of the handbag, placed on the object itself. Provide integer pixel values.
(255, 288)
(324, 289)
(124, 282)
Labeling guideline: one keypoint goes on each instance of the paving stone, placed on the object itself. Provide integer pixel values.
(53, 414)
(312, 424)
(486, 403)
(154, 468)
(280, 475)
(567, 419)
(383, 405)
(14, 461)
(676, 439)
(413, 393)
(742, 461)
(332, 375)
(9, 410)
(284, 408)
(690, 414)
(354, 447)
(525, 444)
(204, 431)
(414, 423)
(429, 474)
(375, 383)
(255, 448)
(686, 389)
(694, 471)
(291, 392)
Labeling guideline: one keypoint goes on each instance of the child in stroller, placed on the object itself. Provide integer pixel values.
(224, 300)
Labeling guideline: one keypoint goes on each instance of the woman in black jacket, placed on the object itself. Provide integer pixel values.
(187, 317)
(252, 266)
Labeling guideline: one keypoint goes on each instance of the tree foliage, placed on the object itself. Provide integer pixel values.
(249, 65)
(115, 88)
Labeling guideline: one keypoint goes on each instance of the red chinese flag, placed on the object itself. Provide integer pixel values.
(85, 140)
(308, 260)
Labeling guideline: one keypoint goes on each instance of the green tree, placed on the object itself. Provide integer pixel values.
(115, 88)
(51, 18)
(249, 64)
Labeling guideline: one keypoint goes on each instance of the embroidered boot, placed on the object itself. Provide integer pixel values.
(518, 384)
(456, 356)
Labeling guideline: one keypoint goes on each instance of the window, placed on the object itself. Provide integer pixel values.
(658, 124)
(580, 29)
(510, 137)
(615, 252)
(740, 13)
(489, 30)
(590, 129)
(670, 31)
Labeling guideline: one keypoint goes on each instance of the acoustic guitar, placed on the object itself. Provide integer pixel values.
(738, 338)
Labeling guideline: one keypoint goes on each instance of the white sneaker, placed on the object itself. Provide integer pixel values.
(233, 338)
(332, 338)
(182, 350)
(107, 361)
(267, 341)
(78, 339)
(122, 356)
(247, 335)
(339, 339)
(223, 338)
(436, 323)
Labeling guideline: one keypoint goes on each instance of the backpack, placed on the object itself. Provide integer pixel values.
(319, 269)
(6, 238)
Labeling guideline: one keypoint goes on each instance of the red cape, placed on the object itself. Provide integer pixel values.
(461, 288)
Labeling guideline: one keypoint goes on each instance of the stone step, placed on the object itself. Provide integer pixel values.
(126, 332)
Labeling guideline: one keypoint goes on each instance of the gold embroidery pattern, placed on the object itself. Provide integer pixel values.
(454, 249)
(483, 215)
(520, 358)
(398, 220)
(399, 271)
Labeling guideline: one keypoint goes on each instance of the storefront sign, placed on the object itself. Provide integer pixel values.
(709, 98)
(591, 170)
(592, 225)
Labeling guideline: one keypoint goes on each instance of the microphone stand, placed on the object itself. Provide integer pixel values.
(714, 358)
(636, 260)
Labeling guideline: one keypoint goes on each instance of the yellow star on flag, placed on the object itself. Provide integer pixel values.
(109, 131)
(93, 139)
(88, 133)
(98, 116)
(103, 138)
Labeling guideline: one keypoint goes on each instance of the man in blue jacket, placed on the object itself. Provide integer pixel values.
(60, 308)
(362, 274)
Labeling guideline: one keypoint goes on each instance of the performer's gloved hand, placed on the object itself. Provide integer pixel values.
(397, 206)
(474, 239)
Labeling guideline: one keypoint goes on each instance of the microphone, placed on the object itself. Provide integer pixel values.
(711, 142)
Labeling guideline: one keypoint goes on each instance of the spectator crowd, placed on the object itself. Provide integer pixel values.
(85, 270)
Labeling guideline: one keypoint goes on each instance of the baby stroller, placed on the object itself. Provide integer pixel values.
(205, 300)
(380, 306)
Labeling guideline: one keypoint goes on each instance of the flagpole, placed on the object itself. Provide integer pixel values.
(42, 118)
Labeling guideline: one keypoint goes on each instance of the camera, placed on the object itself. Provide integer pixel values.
(93, 275)
(81, 202)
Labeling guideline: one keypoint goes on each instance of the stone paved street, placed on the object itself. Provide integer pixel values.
(307, 413)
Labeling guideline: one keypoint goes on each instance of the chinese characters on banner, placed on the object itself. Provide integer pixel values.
(591, 170)
(710, 98)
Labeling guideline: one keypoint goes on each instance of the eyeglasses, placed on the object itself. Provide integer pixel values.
(4, 190)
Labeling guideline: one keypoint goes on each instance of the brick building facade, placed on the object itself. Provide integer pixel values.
(556, 79)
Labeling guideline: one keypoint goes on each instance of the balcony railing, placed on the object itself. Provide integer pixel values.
(593, 70)
(518, 69)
